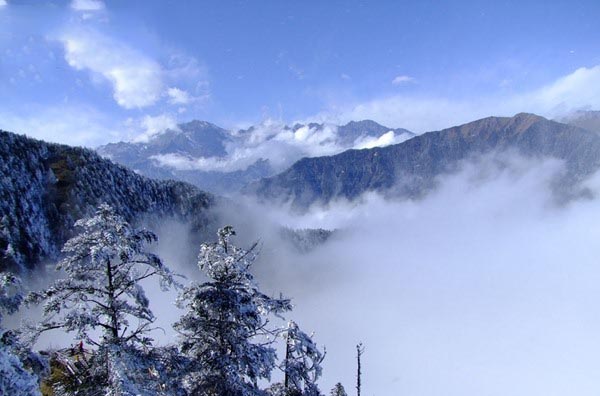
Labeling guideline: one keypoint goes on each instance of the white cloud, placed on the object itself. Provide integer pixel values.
(269, 140)
(155, 125)
(399, 80)
(87, 5)
(415, 114)
(136, 79)
(577, 90)
(183, 163)
(3, 3)
(187, 71)
(278, 144)
(438, 278)
(580, 89)
(386, 139)
(75, 126)
(178, 96)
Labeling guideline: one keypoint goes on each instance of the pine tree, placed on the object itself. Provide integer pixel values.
(338, 390)
(225, 332)
(19, 367)
(302, 363)
(104, 266)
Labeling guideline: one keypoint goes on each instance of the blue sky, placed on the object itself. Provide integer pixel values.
(88, 71)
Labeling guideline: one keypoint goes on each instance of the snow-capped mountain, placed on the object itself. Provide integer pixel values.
(223, 161)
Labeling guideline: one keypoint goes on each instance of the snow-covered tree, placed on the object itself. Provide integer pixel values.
(302, 363)
(104, 266)
(19, 367)
(11, 295)
(225, 332)
(338, 390)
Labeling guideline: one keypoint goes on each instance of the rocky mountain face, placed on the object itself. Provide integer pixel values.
(203, 140)
(46, 187)
(409, 169)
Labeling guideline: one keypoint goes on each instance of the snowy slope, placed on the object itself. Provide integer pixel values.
(45, 188)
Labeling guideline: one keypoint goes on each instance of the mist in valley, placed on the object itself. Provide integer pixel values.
(488, 285)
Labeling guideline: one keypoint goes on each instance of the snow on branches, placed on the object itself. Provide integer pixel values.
(104, 266)
(302, 363)
(225, 332)
(19, 367)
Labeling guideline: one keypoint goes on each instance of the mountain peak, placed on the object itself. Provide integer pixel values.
(528, 119)
(198, 124)
(528, 116)
(516, 124)
(365, 124)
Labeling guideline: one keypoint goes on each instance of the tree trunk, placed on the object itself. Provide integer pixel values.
(287, 360)
(114, 322)
(359, 351)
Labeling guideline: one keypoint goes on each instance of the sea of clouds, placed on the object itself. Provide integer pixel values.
(487, 286)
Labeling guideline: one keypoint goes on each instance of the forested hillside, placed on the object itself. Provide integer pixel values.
(46, 187)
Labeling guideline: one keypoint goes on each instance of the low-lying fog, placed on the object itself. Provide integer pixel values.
(485, 287)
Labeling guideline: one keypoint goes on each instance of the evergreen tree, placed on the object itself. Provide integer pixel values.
(338, 390)
(302, 363)
(104, 266)
(19, 366)
(225, 332)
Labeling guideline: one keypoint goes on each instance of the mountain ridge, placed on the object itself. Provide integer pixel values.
(202, 139)
(410, 167)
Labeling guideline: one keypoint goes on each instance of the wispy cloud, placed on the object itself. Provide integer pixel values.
(136, 79)
(154, 125)
(88, 5)
(72, 125)
(386, 139)
(400, 80)
(178, 96)
(577, 90)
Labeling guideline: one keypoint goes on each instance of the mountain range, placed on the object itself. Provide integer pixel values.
(172, 154)
(46, 187)
(410, 169)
